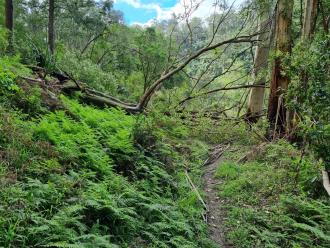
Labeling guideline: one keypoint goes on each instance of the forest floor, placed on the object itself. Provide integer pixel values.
(215, 204)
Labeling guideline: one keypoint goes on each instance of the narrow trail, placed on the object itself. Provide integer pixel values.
(215, 214)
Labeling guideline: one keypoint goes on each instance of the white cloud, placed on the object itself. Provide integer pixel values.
(197, 8)
(201, 9)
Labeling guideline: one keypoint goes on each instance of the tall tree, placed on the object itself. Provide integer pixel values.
(51, 30)
(256, 97)
(310, 11)
(308, 29)
(9, 23)
(278, 116)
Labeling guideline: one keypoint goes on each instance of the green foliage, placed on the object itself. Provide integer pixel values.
(311, 100)
(3, 40)
(270, 199)
(87, 71)
(14, 92)
(86, 177)
(223, 132)
(13, 66)
(7, 81)
(83, 180)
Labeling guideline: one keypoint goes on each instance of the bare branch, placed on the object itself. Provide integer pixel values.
(221, 89)
(241, 39)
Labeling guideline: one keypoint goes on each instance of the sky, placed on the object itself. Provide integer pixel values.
(143, 12)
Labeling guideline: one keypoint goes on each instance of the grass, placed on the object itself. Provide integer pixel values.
(275, 199)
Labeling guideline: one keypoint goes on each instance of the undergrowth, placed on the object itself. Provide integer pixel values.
(86, 177)
(275, 198)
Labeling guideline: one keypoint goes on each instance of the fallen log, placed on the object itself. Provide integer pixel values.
(98, 98)
(102, 101)
(105, 100)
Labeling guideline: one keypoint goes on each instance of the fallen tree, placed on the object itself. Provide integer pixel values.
(68, 84)
(176, 63)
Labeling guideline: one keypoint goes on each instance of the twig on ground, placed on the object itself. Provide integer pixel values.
(193, 187)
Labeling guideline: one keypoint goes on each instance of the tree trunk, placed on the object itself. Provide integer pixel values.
(278, 115)
(51, 31)
(9, 12)
(256, 97)
(309, 18)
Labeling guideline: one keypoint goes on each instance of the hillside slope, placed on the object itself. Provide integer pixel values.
(88, 177)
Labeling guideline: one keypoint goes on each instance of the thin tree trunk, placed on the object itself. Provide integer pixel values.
(9, 12)
(256, 97)
(278, 115)
(310, 12)
(51, 30)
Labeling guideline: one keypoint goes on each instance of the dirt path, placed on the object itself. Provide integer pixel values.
(215, 216)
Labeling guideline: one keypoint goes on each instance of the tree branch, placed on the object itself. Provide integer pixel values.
(221, 89)
(241, 39)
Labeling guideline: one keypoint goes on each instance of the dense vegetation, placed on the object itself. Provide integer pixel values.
(86, 177)
(105, 128)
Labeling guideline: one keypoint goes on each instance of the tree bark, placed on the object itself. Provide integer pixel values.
(51, 29)
(278, 115)
(9, 23)
(256, 97)
(308, 29)
(310, 11)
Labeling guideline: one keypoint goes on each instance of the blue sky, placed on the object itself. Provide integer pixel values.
(143, 12)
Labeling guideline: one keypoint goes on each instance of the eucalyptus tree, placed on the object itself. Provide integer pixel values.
(309, 22)
(278, 115)
(51, 23)
(78, 24)
(86, 21)
(9, 24)
(256, 98)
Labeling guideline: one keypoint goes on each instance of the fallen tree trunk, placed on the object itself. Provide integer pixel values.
(101, 99)
(98, 98)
